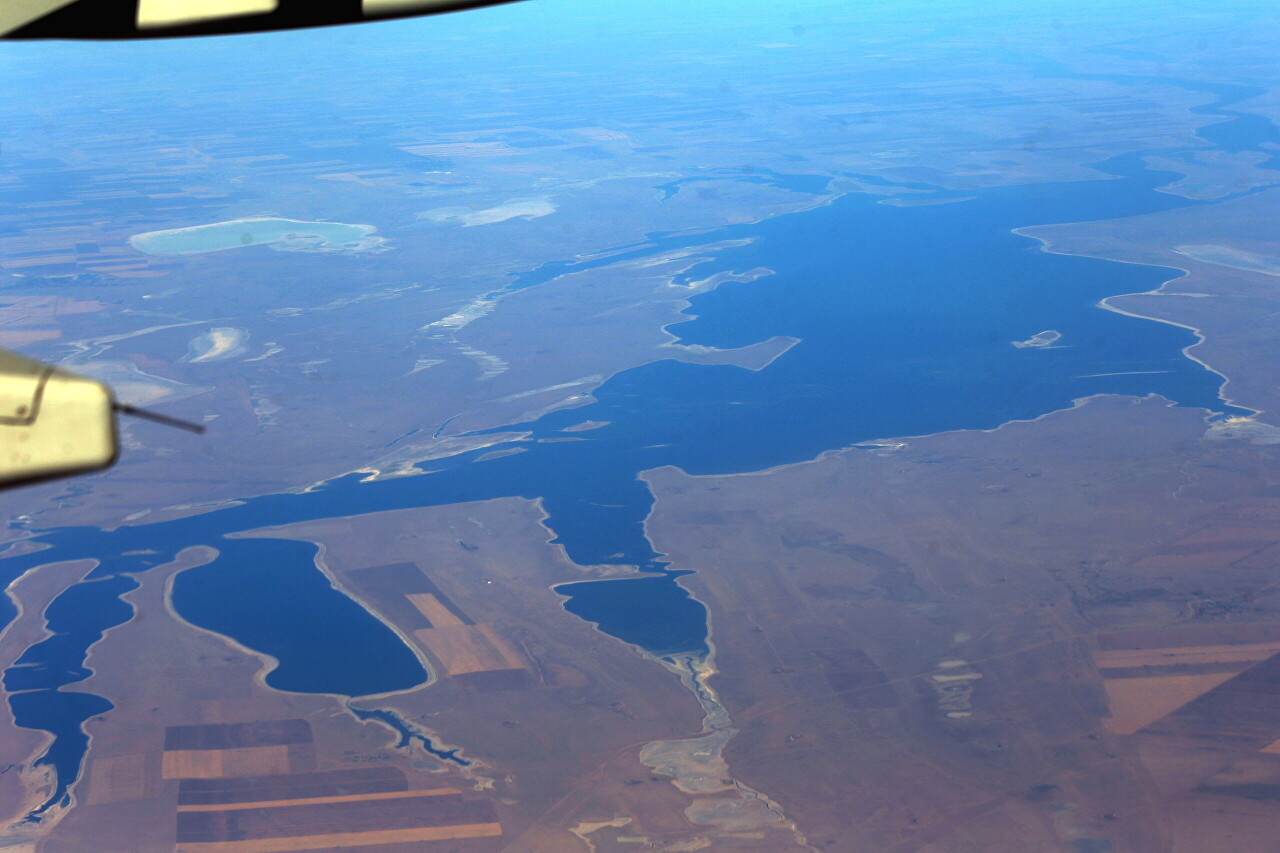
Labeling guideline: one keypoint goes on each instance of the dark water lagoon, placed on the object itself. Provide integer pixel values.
(290, 606)
(906, 316)
(658, 615)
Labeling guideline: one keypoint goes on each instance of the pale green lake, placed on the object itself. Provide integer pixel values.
(291, 235)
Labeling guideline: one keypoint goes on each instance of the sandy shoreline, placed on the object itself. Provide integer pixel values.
(1047, 246)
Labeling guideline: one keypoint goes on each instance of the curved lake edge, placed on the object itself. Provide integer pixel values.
(186, 554)
(893, 442)
(589, 574)
(268, 663)
(193, 556)
(61, 794)
(273, 664)
(1049, 247)
(277, 532)
(20, 607)
(431, 741)
(40, 786)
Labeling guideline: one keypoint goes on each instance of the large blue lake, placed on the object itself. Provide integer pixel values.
(906, 316)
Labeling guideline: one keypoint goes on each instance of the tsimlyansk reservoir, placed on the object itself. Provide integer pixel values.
(906, 317)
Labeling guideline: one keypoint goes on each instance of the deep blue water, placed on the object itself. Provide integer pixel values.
(659, 616)
(76, 620)
(349, 652)
(906, 317)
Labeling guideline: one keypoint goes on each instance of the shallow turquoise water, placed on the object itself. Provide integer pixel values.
(239, 233)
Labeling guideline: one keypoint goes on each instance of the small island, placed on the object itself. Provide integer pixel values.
(1040, 340)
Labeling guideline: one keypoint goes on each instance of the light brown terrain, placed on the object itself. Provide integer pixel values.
(198, 756)
(1061, 634)
(557, 712)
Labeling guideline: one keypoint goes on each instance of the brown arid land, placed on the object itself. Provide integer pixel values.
(1061, 634)
(552, 715)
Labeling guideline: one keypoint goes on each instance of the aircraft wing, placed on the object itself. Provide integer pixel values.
(52, 423)
(130, 19)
